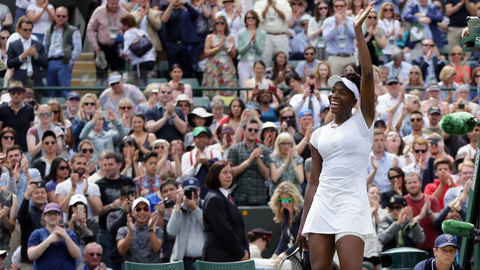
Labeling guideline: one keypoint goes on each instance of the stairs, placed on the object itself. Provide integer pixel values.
(83, 74)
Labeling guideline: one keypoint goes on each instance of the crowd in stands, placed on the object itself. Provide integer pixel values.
(122, 175)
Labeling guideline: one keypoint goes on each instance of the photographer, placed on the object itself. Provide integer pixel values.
(186, 224)
(164, 201)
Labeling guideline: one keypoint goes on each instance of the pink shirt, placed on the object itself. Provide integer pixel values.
(98, 29)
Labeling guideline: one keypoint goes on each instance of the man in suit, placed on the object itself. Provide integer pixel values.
(430, 63)
(26, 56)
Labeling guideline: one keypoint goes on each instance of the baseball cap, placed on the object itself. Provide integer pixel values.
(397, 200)
(139, 200)
(392, 80)
(52, 207)
(306, 112)
(349, 84)
(267, 235)
(191, 182)
(434, 109)
(445, 240)
(73, 95)
(115, 77)
(198, 130)
(77, 198)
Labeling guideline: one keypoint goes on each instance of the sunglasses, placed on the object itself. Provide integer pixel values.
(87, 150)
(9, 138)
(201, 136)
(145, 208)
(252, 130)
(221, 23)
(415, 119)
(165, 92)
(56, 112)
(50, 143)
(372, 17)
(74, 99)
(309, 53)
(249, 18)
(429, 45)
(398, 207)
(289, 117)
(183, 105)
(227, 130)
(380, 125)
(321, 8)
(296, 4)
(413, 72)
(418, 151)
(459, 54)
(285, 143)
(125, 108)
(394, 176)
(387, 9)
(45, 114)
(158, 147)
(115, 83)
(93, 254)
(61, 16)
(89, 103)
(63, 168)
(16, 92)
(3, 38)
(477, 76)
(339, 6)
(305, 24)
(287, 200)
(27, 29)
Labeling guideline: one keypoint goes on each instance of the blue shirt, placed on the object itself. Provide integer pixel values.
(154, 200)
(301, 65)
(269, 116)
(381, 177)
(168, 132)
(429, 264)
(22, 183)
(332, 34)
(56, 256)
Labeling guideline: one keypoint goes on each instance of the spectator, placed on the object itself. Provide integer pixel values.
(226, 139)
(217, 106)
(434, 116)
(151, 94)
(322, 72)
(8, 215)
(443, 169)
(49, 146)
(425, 208)
(286, 164)
(268, 135)
(251, 44)
(265, 98)
(110, 187)
(250, 167)
(274, 16)
(465, 175)
(19, 174)
(131, 158)
(287, 206)
(224, 228)
(53, 246)
(162, 119)
(447, 80)
(259, 239)
(429, 62)
(143, 138)
(315, 28)
(149, 182)
(6, 20)
(26, 56)
(372, 245)
(162, 147)
(354, 7)
(395, 145)
(176, 151)
(287, 120)
(307, 66)
(42, 15)
(64, 124)
(197, 162)
(457, 11)
(393, 101)
(475, 76)
(140, 241)
(462, 75)
(182, 40)
(259, 69)
(220, 49)
(397, 179)
(400, 228)
(124, 108)
(63, 45)
(380, 162)
(235, 110)
(199, 117)
(303, 136)
(4, 35)
(416, 121)
(141, 65)
(375, 36)
(444, 249)
(461, 96)
(339, 37)
(88, 106)
(92, 256)
(85, 228)
(186, 224)
(398, 67)
(101, 170)
(87, 148)
(302, 38)
(433, 99)
(30, 217)
(182, 101)
(415, 78)
(278, 71)
(234, 17)
(104, 32)
(71, 104)
(419, 152)
(179, 87)
(470, 148)
(59, 172)
(391, 28)
(100, 138)
(117, 91)
(78, 184)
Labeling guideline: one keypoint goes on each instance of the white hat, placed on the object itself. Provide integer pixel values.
(139, 200)
(101, 60)
(157, 141)
(349, 84)
(78, 198)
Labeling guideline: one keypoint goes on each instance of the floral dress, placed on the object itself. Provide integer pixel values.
(219, 69)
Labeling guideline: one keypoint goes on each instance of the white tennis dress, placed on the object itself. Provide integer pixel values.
(341, 203)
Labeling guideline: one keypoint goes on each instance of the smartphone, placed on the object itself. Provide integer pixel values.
(312, 87)
(434, 141)
(91, 162)
(409, 99)
(81, 209)
(40, 184)
(291, 123)
(188, 193)
(105, 114)
(461, 106)
(263, 86)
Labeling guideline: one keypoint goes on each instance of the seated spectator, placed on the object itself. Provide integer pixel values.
(462, 75)
(64, 124)
(258, 239)
(465, 174)
(4, 35)
(443, 169)
(268, 135)
(307, 66)
(125, 107)
(179, 87)
(452, 210)
(92, 257)
(416, 122)
(49, 147)
(437, 147)
(434, 116)
(217, 108)
(59, 172)
(131, 157)
(140, 241)
(149, 182)
(415, 78)
(447, 80)
(397, 178)
(53, 246)
(473, 83)
(461, 96)
(199, 117)
(9, 138)
(235, 111)
(176, 152)
(162, 147)
(395, 145)
(71, 104)
(287, 120)
(265, 98)
(186, 224)
(400, 228)
(301, 38)
(226, 139)
(85, 228)
(322, 72)
(88, 106)
(420, 154)
(259, 69)
(117, 91)
(309, 99)
(445, 250)
(182, 101)
(380, 162)
(433, 99)
(100, 138)
(141, 65)
(87, 148)
(151, 94)
(143, 138)
(303, 136)
(398, 67)
(101, 170)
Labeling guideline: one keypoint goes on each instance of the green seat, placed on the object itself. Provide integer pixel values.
(445, 50)
(192, 81)
(293, 63)
(243, 265)
(201, 101)
(156, 80)
(164, 68)
(156, 266)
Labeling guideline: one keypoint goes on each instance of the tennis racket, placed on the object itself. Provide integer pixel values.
(293, 261)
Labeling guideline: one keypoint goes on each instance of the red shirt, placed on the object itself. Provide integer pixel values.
(426, 223)
(430, 189)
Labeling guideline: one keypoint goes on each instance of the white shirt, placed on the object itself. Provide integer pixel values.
(66, 186)
(27, 44)
(190, 158)
(401, 72)
(385, 102)
(298, 104)
(273, 23)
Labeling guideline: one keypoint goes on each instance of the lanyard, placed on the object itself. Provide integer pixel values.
(56, 35)
(389, 25)
(114, 19)
(344, 31)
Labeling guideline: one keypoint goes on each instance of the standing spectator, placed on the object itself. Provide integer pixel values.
(141, 65)
(375, 37)
(307, 66)
(250, 160)
(235, 110)
(234, 18)
(224, 227)
(309, 99)
(84, 227)
(419, 150)
(429, 62)
(339, 37)
(286, 164)
(118, 90)
(59, 172)
(6, 19)
(165, 120)
(220, 50)
(140, 241)
(149, 182)
(443, 169)
(397, 179)
(251, 44)
(9, 138)
(398, 67)
(434, 116)
(152, 97)
(303, 136)
(8, 215)
(72, 106)
(17, 115)
(274, 17)
(393, 101)
(217, 105)
(49, 147)
(179, 87)
(182, 39)
(315, 28)
(433, 99)
(42, 15)
(143, 138)
(104, 32)
(4, 35)
(457, 11)
(391, 28)
(64, 124)
(63, 45)
(380, 162)
(88, 106)
(26, 56)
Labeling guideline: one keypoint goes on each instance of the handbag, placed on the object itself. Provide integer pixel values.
(141, 46)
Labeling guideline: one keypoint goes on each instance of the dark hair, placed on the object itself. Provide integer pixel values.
(128, 20)
(149, 155)
(242, 105)
(355, 68)
(310, 47)
(174, 66)
(128, 141)
(53, 169)
(226, 31)
(252, 237)
(316, 13)
(127, 190)
(401, 173)
(212, 180)
(114, 155)
(23, 20)
(276, 66)
(13, 148)
(355, 78)
(168, 182)
(70, 213)
(417, 112)
(259, 62)
(7, 130)
(443, 160)
(141, 115)
(291, 76)
(255, 15)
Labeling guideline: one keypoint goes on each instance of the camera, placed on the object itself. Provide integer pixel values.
(168, 203)
(461, 106)
(105, 114)
(32, 102)
(263, 86)
(312, 87)
(40, 184)
(188, 193)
